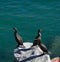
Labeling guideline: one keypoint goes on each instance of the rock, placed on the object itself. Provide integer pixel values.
(56, 59)
(30, 54)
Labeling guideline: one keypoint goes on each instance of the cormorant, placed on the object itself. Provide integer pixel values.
(17, 37)
(37, 41)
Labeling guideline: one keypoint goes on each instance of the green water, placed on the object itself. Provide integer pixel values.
(29, 16)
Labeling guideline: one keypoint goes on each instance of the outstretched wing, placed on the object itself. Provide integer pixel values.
(43, 48)
(43, 45)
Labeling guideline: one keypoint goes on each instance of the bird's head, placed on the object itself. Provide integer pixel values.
(39, 30)
(15, 29)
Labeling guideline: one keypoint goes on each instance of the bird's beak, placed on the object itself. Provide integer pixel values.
(12, 29)
(40, 30)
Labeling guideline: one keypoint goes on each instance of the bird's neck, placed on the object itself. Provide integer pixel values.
(39, 34)
(15, 32)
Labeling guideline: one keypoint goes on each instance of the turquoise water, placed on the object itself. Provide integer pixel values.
(29, 16)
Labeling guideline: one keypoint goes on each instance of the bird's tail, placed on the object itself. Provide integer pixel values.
(47, 52)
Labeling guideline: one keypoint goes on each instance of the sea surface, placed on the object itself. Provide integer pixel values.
(28, 16)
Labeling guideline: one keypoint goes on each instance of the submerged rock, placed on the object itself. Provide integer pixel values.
(30, 54)
(56, 59)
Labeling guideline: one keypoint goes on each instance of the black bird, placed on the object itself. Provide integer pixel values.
(37, 41)
(17, 37)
